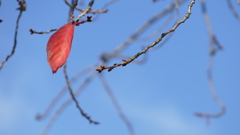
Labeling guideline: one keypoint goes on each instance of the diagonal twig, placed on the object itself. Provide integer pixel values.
(21, 8)
(126, 62)
(233, 10)
(74, 99)
(62, 92)
(67, 103)
(116, 105)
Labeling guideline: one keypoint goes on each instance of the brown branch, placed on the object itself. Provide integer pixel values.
(62, 92)
(74, 99)
(125, 62)
(116, 105)
(1, 20)
(21, 8)
(42, 32)
(233, 10)
(214, 46)
(67, 103)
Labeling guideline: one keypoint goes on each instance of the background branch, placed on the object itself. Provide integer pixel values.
(116, 105)
(214, 46)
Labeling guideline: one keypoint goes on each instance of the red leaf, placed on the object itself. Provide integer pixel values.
(59, 46)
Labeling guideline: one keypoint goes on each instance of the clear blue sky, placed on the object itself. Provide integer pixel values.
(159, 97)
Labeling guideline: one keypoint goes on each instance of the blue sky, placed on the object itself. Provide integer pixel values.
(158, 97)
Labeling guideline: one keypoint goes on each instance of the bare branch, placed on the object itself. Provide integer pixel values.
(79, 9)
(125, 62)
(88, 9)
(74, 99)
(21, 8)
(233, 10)
(67, 103)
(214, 46)
(116, 105)
(62, 92)
(42, 32)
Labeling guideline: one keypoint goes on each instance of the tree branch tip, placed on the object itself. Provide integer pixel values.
(22, 4)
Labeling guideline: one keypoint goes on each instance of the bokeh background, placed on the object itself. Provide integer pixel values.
(158, 97)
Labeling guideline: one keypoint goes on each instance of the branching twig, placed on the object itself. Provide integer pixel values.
(116, 105)
(88, 9)
(74, 99)
(62, 92)
(21, 8)
(42, 32)
(125, 62)
(214, 46)
(79, 9)
(233, 10)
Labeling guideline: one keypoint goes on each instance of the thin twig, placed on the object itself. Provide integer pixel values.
(74, 99)
(233, 10)
(62, 92)
(72, 7)
(125, 62)
(116, 105)
(67, 103)
(214, 46)
(42, 32)
(88, 9)
(79, 9)
(21, 8)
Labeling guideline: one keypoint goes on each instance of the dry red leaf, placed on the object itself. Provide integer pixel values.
(59, 46)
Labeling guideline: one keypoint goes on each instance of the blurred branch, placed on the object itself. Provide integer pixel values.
(103, 8)
(79, 9)
(62, 92)
(116, 105)
(74, 99)
(238, 2)
(125, 62)
(214, 46)
(43, 32)
(233, 10)
(72, 7)
(67, 103)
(170, 35)
(22, 7)
(155, 33)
